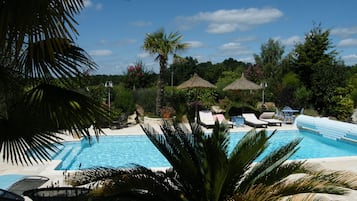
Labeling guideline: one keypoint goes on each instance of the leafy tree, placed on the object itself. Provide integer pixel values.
(270, 60)
(270, 57)
(341, 104)
(123, 99)
(254, 73)
(37, 52)
(302, 97)
(138, 76)
(204, 169)
(318, 68)
(163, 45)
(352, 82)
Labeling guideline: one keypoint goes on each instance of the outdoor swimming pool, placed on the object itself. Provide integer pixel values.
(121, 151)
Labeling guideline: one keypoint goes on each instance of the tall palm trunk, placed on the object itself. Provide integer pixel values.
(161, 85)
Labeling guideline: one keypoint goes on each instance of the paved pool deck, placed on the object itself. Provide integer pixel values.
(47, 169)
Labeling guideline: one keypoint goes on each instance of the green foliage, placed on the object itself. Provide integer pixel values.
(123, 99)
(291, 80)
(341, 105)
(177, 99)
(318, 68)
(146, 98)
(302, 97)
(225, 79)
(42, 70)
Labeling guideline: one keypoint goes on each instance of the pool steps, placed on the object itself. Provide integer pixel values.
(69, 151)
(332, 129)
(71, 154)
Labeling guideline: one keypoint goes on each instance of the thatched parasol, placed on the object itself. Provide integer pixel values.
(195, 82)
(241, 84)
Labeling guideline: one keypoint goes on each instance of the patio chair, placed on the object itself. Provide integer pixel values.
(206, 118)
(18, 183)
(252, 120)
(269, 117)
(222, 120)
(10, 196)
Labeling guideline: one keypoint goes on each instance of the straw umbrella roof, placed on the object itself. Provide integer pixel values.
(242, 84)
(195, 82)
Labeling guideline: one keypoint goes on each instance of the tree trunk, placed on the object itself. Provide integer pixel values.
(161, 86)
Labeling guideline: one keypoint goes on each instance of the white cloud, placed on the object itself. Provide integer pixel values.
(230, 46)
(344, 32)
(100, 52)
(225, 21)
(89, 4)
(348, 42)
(293, 40)
(143, 55)
(195, 44)
(350, 59)
(249, 59)
(234, 49)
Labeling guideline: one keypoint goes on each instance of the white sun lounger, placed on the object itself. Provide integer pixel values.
(252, 120)
(223, 120)
(269, 117)
(206, 118)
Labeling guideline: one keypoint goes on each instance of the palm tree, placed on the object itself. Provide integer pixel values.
(163, 45)
(204, 169)
(39, 60)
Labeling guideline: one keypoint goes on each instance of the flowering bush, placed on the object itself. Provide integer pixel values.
(135, 73)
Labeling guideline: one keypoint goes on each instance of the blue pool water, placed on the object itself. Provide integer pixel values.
(121, 151)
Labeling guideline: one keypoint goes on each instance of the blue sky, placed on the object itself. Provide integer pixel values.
(113, 31)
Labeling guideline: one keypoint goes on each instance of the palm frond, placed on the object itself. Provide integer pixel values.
(135, 182)
(307, 184)
(33, 20)
(31, 126)
(54, 58)
(269, 164)
(180, 149)
(242, 156)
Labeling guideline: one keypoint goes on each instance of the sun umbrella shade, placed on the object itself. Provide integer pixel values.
(196, 82)
(242, 84)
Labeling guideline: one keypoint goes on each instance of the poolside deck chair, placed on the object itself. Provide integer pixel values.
(10, 196)
(27, 183)
(269, 117)
(222, 120)
(252, 120)
(206, 118)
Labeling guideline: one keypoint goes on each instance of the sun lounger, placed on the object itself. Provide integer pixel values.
(10, 196)
(206, 118)
(269, 117)
(252, 120)
(222, 120)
